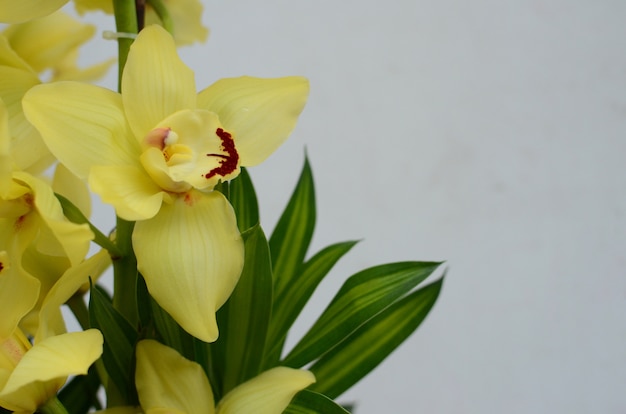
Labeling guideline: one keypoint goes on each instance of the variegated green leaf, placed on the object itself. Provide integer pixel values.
(288, 306)
(243, 199)
(291, 237)
(372, 342)
(361, 297)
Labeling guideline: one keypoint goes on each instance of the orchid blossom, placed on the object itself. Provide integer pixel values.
(52, 43)
(157, 150)
(31, 375)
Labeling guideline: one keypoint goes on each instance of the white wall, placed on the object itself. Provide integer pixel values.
(488, 133)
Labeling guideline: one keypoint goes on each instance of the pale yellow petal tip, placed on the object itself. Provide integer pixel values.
(268, 393)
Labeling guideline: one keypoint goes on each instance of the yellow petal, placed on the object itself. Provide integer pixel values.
(44, 368)
(12, 11)
(83, 125)
(186, 17)
(44, 42)
(28, 151)
(191, 256)
(121, 410)
(10, 58)
(50, 320)
(68, 70)
(72, 188)
(155, 83)
(83, 6)
(169, 383)
(18, 293)
(129, 189)
(6, 164)
(59, 237)
(260, 113)
(268, 393)
(47, 270)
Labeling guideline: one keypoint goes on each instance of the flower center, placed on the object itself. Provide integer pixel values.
(190, 149)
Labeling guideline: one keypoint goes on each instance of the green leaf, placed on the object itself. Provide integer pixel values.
(144, 303)
(248, 310)
(360, 298)
(309, 402)
(79, 395)
(291, 237)
(119, 343)
(369, 345)
(244, 201)
(288, 306)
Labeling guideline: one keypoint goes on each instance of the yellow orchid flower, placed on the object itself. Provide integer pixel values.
(40, 371)
(169, 383)
(156, 151)
(47, 244)
(12, 11)
(27, 50)
(30, 213)
(186, 17)
(52, 43)
(30, 375)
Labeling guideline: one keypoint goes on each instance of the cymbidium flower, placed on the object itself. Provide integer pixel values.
(186, 17)
(30, 375)
(52, 43)
(155, 153)
(169, 383)
(31, 214)
(27, 50)
(12, 11)
(46, 244)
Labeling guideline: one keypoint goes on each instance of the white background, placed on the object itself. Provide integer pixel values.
(487, 133)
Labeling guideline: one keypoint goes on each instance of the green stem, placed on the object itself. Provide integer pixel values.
(125, 273)
(53, 406)
(125, 22)
(125, 266)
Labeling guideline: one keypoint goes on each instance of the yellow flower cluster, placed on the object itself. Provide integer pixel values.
(156, 152)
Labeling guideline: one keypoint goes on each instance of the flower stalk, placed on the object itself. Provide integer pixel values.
(125, 22)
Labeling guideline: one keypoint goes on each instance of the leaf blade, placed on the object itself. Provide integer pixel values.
(288, 306)
(369, 345)
(290, 239)
(242, 197)
(361, 297)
